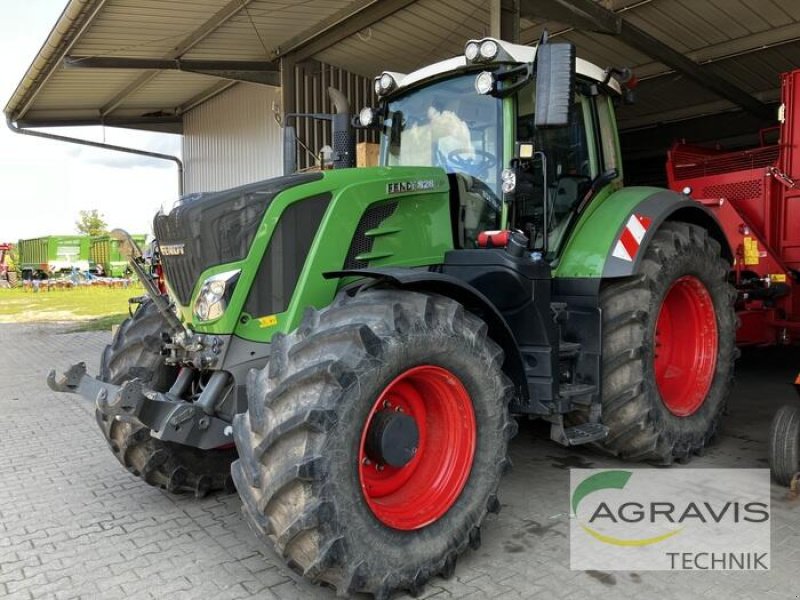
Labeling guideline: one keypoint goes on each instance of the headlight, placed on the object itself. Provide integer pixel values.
(366, 117)
(387, 82)
(214, 295)
(484, 83)
(488, 49)
(471, 51)
(509, 179)
(384, 83)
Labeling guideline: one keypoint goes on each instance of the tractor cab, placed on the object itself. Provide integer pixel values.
(511, 165)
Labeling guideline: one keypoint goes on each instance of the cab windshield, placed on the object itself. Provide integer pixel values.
(448, 125)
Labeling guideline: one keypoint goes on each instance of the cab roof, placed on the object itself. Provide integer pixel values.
(509, 54)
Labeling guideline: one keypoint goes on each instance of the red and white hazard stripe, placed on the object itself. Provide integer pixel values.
(631, 238)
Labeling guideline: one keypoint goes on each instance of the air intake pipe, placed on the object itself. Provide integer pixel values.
(344, 139)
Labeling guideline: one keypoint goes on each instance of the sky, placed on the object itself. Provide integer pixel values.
(43, 183)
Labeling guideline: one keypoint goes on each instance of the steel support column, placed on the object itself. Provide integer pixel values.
(504, 20)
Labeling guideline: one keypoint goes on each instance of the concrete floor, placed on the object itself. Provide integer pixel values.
(74, 524)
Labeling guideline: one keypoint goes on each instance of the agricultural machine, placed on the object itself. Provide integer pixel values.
(104, 252)
(366, 337)
(45, 256)
(754, 194)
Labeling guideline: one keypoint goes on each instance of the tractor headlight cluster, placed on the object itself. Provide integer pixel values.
(509, 179)
(214, 295)
(384, 83)
(485, 50)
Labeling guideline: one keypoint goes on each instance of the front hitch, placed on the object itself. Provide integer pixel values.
(168, 418)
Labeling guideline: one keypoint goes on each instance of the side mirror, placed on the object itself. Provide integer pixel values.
(555, 84)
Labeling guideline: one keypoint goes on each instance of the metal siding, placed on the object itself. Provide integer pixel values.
(311, 96)
(763, 37)
(232, 139)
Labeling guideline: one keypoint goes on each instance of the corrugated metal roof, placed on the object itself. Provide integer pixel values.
(747, 43)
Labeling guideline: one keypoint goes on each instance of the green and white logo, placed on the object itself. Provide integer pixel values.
(676, 519)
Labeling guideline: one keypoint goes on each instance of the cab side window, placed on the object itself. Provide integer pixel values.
(569, 168)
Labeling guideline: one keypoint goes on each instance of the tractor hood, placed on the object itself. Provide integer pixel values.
(214, 228)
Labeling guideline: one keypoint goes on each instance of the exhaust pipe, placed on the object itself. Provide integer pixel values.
(344, 139)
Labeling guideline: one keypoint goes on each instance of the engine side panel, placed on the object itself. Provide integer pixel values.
(383, 216)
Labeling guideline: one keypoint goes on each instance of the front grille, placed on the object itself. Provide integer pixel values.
(361, 243)
(215, 228)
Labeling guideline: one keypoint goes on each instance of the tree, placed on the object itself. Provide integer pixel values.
(91, 222)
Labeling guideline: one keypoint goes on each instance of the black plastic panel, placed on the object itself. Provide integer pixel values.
(372, 218)
(215, 228)
(285, 256)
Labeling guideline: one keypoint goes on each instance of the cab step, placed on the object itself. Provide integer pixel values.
(584, 433)
(568, 349)
(578, 393)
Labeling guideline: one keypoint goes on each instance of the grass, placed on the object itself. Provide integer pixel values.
(89, 308)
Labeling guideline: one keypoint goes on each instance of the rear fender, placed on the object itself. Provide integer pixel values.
(611, 239)
(474, 301)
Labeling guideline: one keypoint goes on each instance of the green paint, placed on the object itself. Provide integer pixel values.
(418, 233)
(509, 137)
(585, 252)
(599, 481)
(63, 251)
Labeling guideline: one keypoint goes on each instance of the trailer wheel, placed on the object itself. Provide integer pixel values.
(134, 352)
(784, 444)
(374, 441)
(668, 348)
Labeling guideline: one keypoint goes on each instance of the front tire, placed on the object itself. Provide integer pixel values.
(135, 352)
(668, 348)
(312, 487)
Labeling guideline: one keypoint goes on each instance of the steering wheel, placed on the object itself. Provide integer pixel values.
(482, 161)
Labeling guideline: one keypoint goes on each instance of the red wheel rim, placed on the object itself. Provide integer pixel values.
(686, 345)
(421, 491)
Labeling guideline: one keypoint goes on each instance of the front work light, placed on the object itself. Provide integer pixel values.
(488, 49)
(214, 295)
(484, 83)
(366, 117)
(471, 51)
(384, 83)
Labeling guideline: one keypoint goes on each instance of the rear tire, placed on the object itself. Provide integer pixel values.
(649, 418)
(784, 444)
(135, 352)
(300, 473)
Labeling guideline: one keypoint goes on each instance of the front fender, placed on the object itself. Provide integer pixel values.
(473, 300)
(611, 238)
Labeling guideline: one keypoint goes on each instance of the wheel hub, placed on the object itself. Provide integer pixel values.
(686, 346)
(392, 438)
(417, 446)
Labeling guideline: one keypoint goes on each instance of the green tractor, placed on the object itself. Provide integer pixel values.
(350, 348)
